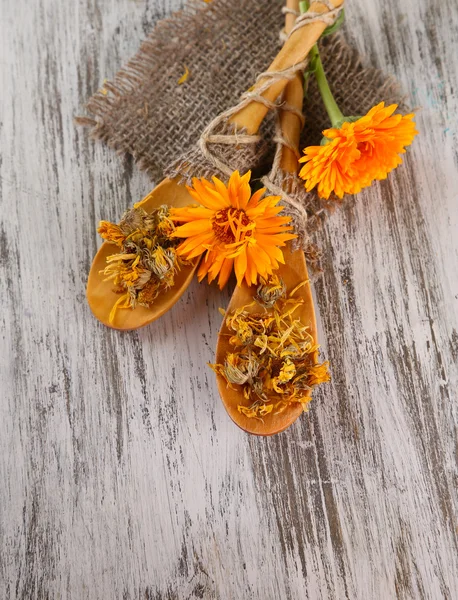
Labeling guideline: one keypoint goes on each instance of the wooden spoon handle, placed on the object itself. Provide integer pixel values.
(294, 51)
(290, 123)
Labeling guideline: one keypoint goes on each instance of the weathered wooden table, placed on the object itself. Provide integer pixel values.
(121, 474)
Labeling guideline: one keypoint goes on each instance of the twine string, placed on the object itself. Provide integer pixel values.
(287, 11)
(328, 18)
(208, 136)
(290, 11)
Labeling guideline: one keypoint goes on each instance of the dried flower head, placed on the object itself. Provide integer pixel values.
(270, 290)
(147, 261)
(111, 233)
(240, 368)
(233, 228)
(358, 152)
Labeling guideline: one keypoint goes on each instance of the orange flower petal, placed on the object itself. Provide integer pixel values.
(193, 228)
(225, 272)
(240, 264)
(190, 213)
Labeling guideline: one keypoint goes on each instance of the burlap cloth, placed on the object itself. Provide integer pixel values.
(224, 45)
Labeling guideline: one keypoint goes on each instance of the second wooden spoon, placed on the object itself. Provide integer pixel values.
(293, 272)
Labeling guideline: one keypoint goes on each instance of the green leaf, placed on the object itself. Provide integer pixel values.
(303, 6)
(336, 25)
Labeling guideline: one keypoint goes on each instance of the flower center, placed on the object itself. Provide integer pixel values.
(231, 225)
(366, 147)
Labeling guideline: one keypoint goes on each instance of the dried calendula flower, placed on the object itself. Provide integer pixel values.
(239, 368)
(111, 233)
(147, 261)
(270, 290)
(274, 355)
(286, 373)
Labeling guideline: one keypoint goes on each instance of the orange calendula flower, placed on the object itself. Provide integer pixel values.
(234, 228)
(358, 152)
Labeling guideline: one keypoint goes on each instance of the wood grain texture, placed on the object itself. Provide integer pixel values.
(121, 474)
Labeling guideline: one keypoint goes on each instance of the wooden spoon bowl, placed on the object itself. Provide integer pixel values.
(100, 294)
(293, 272)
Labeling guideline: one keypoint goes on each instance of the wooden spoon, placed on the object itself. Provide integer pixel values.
(293, 272)
(100, 296)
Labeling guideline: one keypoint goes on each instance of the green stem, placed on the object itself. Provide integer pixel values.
(335, 115)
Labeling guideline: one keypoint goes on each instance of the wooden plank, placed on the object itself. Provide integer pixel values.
(122, 476)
